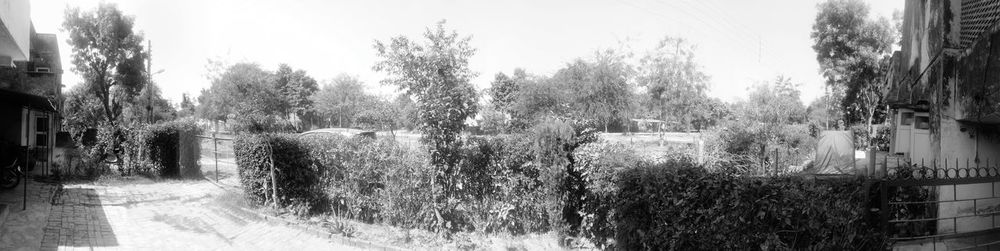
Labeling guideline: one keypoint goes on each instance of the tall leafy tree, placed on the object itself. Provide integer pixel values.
(674, 82)
(773, 103)
(242, 91)
(852, 48)
(108, 55)
(341, 100)
(437, 74)
(296, 87)
(601, 91)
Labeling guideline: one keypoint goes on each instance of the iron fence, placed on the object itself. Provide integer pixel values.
(941, 201)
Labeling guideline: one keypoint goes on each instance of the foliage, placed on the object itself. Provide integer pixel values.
(244, 89)
(108, 55)
(503, 90)
(553, 143)
(377, 114)
(863, 140)
(166, 150)
(296, 178)
(437, 75)
(674, 82)
(776, 103)
(600, 162)
(295, 87)
(502, 193)
(406, 109)
(341, 100)
(852, 50)
(149, 106)
(187, 107)
(492, 121)
(601, 94)
(679, 205)
(741, 147)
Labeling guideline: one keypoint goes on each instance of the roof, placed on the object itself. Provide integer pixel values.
(8, 97)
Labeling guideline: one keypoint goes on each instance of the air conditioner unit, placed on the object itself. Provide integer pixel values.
(42, 69)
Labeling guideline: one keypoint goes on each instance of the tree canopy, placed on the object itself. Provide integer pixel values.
(852, 49)
(437, 74)
(108, 55)
(674, 82)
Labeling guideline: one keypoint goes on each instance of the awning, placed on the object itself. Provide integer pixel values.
(20, 99)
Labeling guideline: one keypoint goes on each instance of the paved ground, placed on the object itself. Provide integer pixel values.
(167, 215)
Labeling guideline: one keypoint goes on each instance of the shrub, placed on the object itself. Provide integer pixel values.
(600, 162)
(744, 147)
(169, 149)
(553, 144)
(502, 191)
(296, 177)
(679, 205)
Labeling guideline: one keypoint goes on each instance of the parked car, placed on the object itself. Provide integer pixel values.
(346, 132)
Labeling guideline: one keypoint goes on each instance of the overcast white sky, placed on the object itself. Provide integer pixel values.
(739, 42)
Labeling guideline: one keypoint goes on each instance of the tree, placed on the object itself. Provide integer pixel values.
(437, 74)
(600, 89)
(773, 103)
(187, 106)
(149, 106)
(407, 115)
(674, 82)
(851, 48)
(376, 114)
(108, 55)
(539, 98)
(341, 100)
(243, 92)
(296, 87)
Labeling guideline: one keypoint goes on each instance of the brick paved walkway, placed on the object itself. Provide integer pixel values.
(169, 215)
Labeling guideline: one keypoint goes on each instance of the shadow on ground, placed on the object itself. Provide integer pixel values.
(78, 220)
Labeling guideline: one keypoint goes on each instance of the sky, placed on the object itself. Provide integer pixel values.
(738, 43)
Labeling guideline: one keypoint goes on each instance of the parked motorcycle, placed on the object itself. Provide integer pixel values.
(10, 175)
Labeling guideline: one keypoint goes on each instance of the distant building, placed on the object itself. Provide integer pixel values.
(30, 84)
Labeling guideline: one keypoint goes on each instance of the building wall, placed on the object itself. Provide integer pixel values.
(16, 18)
(951, 80)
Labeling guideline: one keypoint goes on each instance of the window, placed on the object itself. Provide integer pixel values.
(923, 122)
(907, 119)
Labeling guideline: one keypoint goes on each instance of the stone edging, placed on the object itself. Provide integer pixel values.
(314, 230)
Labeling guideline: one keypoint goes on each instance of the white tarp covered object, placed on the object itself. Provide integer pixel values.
(834, 153)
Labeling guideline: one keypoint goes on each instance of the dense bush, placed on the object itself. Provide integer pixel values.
(743, 146)
(168, 150)
(679, 205)
(600, 162)
(502, 191)
(296, 177)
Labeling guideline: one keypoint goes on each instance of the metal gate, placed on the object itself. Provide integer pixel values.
(952, 203)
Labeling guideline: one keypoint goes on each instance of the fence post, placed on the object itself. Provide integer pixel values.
(274, 181)
(215, 151)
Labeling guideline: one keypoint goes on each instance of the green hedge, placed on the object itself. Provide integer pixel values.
(167, 150)
(679, 205)
(297, 178)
